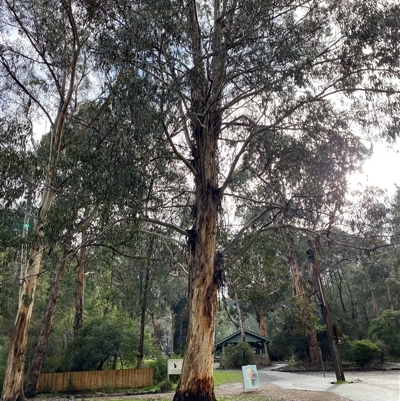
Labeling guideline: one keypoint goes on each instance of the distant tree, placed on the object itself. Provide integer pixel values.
(259, 278)
(386, 328)
(104, 342)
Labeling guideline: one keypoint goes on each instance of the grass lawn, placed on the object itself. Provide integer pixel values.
(226, 377)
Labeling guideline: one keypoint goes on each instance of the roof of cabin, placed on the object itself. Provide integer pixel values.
(236, 337)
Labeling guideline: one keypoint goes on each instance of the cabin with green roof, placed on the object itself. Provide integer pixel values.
(257, 342)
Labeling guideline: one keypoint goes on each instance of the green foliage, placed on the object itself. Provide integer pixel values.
(3, 356)
(224, 326)
(16, 161)
(8, 285)
(102, 343)
(238, 355)
(159, 366)
(363, 352)
(288, 346)
(299, 315)
(386, 328)
(165, 386)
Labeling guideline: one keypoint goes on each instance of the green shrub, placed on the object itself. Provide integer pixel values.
(364, 352)
(102, 342)
(3, 358)
(165, 386)
(159, 366)
(384, 348)
(345, 349)
(288, 346)
(386, 328)
(238, 355)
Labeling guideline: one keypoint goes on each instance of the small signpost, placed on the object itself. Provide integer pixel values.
(174, 367)
(250, 378)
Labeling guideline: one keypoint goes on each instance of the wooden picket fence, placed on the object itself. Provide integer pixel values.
(95, 380)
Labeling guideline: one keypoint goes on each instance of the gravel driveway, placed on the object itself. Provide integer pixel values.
(389, 378)
(377, 385)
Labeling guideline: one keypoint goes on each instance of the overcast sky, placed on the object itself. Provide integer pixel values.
(382, 170)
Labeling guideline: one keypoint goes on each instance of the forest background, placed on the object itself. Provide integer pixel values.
(193, 156)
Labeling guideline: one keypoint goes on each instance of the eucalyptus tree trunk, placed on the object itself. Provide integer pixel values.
(350, 295)
(54, 55)
(14, 372)
(156, 335)
(373, 293)
(389, 292)
(299, 290)
(196, 382)
(171, 345)
(240, 317)
(261, 318)
(143, 306)
(339, 283)
(43, 339)
(80, 286)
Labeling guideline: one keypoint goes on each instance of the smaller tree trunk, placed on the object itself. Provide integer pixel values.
(350, 294)
(240, 317)
(171, 346)
(389, 292)
(340, 289)
(313, 348)
(373, 294)
(143, 301)
(156, 335)
(366, 317)
(13, 386)
(43, 340)
(80, 287)
(298, 286)
(261, 318)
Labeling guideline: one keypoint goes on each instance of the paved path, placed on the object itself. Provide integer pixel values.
(384, 387)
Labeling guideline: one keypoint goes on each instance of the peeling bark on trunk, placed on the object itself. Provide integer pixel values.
(43, 339)
(196, 381)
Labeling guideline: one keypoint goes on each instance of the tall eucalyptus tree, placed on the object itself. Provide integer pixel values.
(103, 185)
(47, 68)
(230, 76)
(260, 278)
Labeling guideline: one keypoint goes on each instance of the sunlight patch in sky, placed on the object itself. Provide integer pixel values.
(381, 170)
